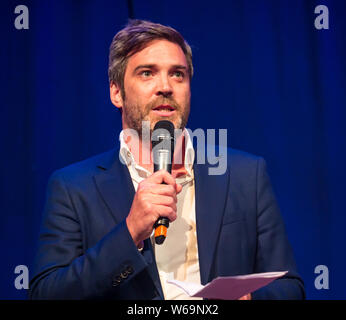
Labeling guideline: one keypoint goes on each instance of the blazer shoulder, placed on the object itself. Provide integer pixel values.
(244, 166)
(239, 157)
(86, 168)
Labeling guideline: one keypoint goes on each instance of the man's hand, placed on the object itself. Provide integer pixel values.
(152, 200)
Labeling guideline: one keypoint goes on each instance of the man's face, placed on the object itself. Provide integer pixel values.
(157, 87)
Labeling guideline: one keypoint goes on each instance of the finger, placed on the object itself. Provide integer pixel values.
(160, 189)
(162, 176)
(163, 200)
(178, 188)
(165, 211)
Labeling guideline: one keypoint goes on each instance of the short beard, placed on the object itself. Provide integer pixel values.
(135, 115)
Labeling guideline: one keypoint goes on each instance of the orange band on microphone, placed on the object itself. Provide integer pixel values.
(160, 231)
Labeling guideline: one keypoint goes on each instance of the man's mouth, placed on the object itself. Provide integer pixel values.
(164, 107)
(164, 110)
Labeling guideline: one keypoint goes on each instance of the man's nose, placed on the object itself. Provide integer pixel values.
(164, 87)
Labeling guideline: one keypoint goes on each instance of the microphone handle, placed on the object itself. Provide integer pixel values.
(162, 223)
(164, 161)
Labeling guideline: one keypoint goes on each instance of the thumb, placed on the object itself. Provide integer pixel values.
(178, 187)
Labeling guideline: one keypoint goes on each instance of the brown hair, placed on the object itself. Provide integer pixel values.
(133, 38)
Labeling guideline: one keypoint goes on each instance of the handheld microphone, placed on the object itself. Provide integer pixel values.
(163, 149)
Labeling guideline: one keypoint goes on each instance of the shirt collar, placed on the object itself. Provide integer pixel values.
(127, 156)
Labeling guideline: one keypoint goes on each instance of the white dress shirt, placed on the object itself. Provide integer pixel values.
(177, 257)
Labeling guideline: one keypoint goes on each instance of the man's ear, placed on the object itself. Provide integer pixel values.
(115, 95)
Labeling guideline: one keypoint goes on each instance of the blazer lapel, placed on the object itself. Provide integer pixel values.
(210, 196)
(116, 187)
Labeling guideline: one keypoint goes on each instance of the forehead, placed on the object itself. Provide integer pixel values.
(158, 52)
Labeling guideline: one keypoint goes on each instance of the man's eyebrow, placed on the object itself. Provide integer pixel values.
(179, 67)
(150, 66)
(144, 66)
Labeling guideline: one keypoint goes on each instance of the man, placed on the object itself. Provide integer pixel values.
(96, 238)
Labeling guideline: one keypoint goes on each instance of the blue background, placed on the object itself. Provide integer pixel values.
(262, 70)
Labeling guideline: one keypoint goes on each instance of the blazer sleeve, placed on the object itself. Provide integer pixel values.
(62, 270)
(273, 252)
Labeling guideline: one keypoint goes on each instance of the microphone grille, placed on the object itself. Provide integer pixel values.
(166, 125)
(163, 132)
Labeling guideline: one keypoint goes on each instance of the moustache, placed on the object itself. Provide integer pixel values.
(163, 101)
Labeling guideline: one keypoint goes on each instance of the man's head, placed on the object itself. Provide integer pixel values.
(150, 68)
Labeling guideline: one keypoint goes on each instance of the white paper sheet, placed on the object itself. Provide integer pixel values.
(229, 288)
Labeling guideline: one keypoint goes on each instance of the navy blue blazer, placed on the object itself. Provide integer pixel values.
(86, 252)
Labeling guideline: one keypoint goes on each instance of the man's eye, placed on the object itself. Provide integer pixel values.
(146, 73)
(178, 74)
